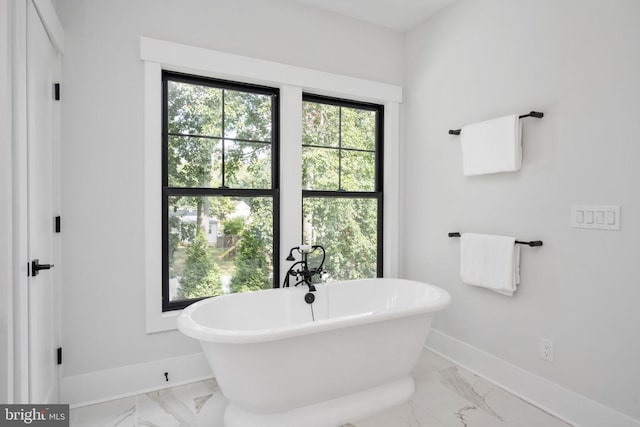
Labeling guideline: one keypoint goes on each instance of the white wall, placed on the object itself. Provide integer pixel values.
(102, 148)
(578, 61)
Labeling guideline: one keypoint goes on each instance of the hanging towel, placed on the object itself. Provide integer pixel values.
(490, 261)
(492, 146)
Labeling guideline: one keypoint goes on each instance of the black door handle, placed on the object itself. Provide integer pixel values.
(36, 267)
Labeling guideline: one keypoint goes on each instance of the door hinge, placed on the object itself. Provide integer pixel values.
(57, 224)
(56, 91)
(59, 354)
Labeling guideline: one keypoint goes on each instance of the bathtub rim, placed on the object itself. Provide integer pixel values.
(191, 328)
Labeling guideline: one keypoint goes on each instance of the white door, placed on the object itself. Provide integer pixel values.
(42, 67)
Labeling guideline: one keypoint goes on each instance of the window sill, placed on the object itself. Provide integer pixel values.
(160, 322)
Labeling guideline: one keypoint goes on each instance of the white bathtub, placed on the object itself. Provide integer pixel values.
(277, 367)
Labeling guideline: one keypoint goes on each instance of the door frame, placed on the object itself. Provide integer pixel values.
(17, 320)
(6, 254)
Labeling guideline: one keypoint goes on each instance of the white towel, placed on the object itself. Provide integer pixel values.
(492, 146)
(490, 261)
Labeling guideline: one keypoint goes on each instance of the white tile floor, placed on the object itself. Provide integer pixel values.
(446, 396)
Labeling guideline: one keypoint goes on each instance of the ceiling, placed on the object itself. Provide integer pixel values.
(399, 15)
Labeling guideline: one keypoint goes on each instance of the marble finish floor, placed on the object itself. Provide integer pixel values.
(446, 395)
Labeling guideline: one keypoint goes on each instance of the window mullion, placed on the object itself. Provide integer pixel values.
(340, 149)
(223, 142)
(291, 170)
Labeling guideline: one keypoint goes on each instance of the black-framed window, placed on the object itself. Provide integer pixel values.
(342, 176)
(220, 199)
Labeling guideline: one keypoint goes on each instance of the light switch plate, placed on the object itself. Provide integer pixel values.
(600, 217)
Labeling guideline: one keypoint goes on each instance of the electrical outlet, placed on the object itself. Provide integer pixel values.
(546, 349)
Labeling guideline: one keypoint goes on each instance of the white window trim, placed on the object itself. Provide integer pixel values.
(292, 82)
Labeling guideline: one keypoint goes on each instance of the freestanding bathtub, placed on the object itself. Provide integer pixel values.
(279, 367)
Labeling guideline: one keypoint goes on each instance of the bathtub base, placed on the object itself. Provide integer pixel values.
(330, 413)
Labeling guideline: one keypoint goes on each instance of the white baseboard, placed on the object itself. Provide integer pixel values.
(130, 380)
(563, 403)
